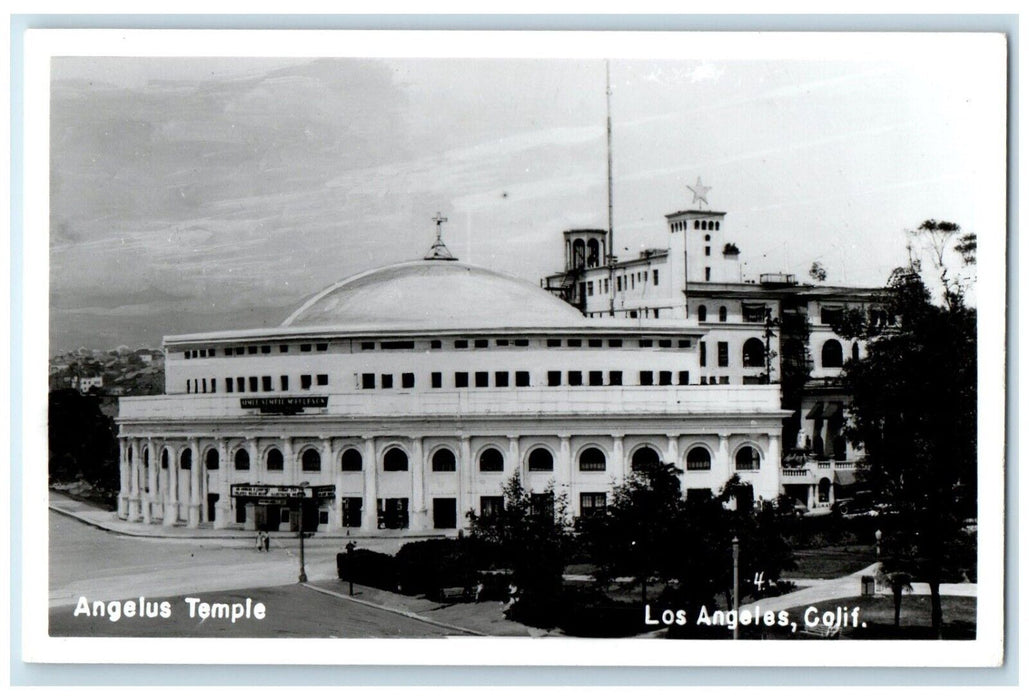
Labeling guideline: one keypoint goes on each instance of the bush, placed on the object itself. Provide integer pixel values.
(368, 568)
(428, 566)
(591, 613)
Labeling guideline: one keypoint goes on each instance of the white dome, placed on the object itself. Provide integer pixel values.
(434, 294)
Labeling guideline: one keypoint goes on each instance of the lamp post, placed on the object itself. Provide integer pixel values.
(351, 546)
(736, 585)
(878, 545)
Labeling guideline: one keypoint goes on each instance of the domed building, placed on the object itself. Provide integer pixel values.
(404, 397)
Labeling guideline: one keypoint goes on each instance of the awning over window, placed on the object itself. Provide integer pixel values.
(831, 409)
(816, 411)
(844, 478)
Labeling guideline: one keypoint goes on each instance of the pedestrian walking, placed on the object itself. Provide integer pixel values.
(267, 541)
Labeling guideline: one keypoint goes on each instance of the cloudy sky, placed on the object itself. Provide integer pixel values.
(192, 194)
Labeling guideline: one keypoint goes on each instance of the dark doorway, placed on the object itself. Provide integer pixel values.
(444, 513)
(212, 498)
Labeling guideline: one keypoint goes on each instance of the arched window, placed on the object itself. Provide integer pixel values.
(491, 460)
(578, 254)
(540, 460)
(702, 313)
(274, 460)
(593, 253)
(186, 459)
(832, 354)
(823, 490)
(723, 314)
(395, 460)
(645, 457)
(592, 460)
(443, 460)
(753, 353)
(855, 352)
(164, 459)
(703, 226)
(748, 459)
(311, 460)
(242, 460)
(211, 460)
(351, 461)
(698, 460)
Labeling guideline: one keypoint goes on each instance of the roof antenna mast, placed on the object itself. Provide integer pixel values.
(610, 207)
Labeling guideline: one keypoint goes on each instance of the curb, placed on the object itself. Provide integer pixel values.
(397, 611)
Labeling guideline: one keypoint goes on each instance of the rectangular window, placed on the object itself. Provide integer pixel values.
(367, 381)
(575, 378)
(266, 383)
(707, 251)
(596, 378)
(266, 349)
(396, 345)
(436, 344)
(351, 512)
(703, 380)
(189, 386)
(284, 383)
(723, 380)
(595, 342)
(461, 344)
(407, 380)
(205, 385)
(393, 513)
(305, 347)
(657, 313)
(591, 504)
(614, 343)
(481, 343)
(481, 379)
(237, 351)
(228, 352)
(500, 379)
(241, 384)
(322, 379)
(367, 345)
(665, 343)
(831, 315)
(322, 347)
(723, 354)
(491, 505)
(646, 343)
(305, 381)
(386, 381)
(646, 378)
(754, 313)
(703, 354)
(684, 343)
(521, 342)
(323, 517)
(541, 505)
(553, 378)
(444, 513)
(656, 278)
(684, 378)
(521, 379)
(228, 385)
(283, 348)
(460, 379)
(614, 378)
(707, 274)
(664, 378)
(575, 342)
(553, 342)
(618, 284)
(203, 352)
(589, 289)
(437, 380)
(251, 349)
(253, 383)
(502, 342)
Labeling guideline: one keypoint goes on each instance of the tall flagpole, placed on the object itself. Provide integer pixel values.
(610, 205)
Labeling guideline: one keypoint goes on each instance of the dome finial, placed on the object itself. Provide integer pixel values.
(439, 250)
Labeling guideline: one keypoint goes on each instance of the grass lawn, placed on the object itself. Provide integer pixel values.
(831, 562)
(876, 618)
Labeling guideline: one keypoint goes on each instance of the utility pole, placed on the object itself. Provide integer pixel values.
(736, 585)
(610, 198)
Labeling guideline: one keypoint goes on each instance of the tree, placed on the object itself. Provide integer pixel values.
(943, 243)
(914, 411)
(529, 536)
(82, 442)
(817, 272)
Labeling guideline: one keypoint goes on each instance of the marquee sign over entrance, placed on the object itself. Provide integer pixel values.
(288, 405)
(273, 491)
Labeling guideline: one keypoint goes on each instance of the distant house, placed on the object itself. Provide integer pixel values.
(87, 383)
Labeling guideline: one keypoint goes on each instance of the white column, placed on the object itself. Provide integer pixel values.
(370, 499)
(197, 464)
(148, 496)
(171, 504)
(222, 509)
(419, 513)
(723, 457)
(564, 466)
(810, 497)
(619, 466)
(134, 514)
(290, 469)
(464, 475)
(124, 482)
(333, 477)
(255, 460)
(514, 458)
(772, 468)
(672, 453)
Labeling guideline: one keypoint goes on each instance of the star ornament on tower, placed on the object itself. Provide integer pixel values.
(699, 191)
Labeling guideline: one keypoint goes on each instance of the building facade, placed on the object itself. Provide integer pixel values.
(404, 397)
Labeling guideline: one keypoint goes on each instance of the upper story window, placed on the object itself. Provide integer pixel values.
(242, 460)
(521, 378)
(540, 460)
(748, 459)
(645, 457)
(491, 460)
(754, 313)
(311, 460)
(395, 460)
(723, 354)
(351, 460)
(753, 353)
(831, 315)
(832, 353)
(698, 459)
(702, 313)
(443, 460)
(723, 314)
(592, 460)
(656, 277)
(274, 461)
